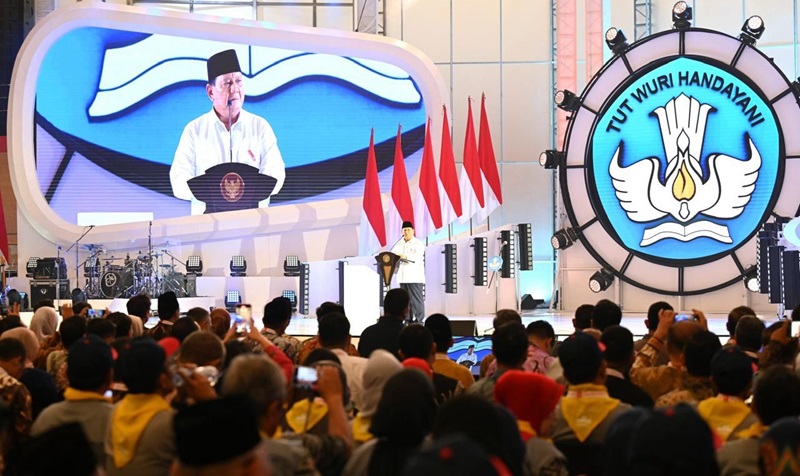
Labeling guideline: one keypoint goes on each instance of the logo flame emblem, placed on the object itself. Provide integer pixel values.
(683, 194)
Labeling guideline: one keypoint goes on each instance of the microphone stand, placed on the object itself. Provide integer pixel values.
(77, 258)
(230, 126)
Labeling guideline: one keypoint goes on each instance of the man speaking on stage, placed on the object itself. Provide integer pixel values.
(411, 273)
(227, 133)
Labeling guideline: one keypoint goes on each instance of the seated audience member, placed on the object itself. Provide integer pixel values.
(748, 336)
(81, 309)
(102, 328)
(220, 322)
(39, 383)
(583, 317)
(201, 349)
(139, 311)
(241, 450)
(259, 378)
(618, 354)
(267, 347)
(169, 310)
(277, 316)
(587, 411)
(652, 324)
(695, 384)
(310, 345)
(442, 332)
(779, 347)
(334, 335)
(673, 441)
(619, 439)
(140, 438)
(44, 323)
(402, 421)
(71, 330)
(90, 374)
(733, 320)
(501, 318)
(416, 342)
(381, 366)
(183, 327)
(384, 333)
(732, 376)
(15, 395)
(510, 348)
(63, 449)
(541, 338)
(532, 399)
(454, 455)
(489, 425)
(44, 303)
(778, 453)
(658, 380)
(776, 395)
(123, 325)
(201, 317)
(606, 313)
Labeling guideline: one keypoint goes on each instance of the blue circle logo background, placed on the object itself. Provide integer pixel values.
(629, 121)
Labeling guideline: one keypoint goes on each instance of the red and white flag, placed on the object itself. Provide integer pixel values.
(471, 182)
(400, 206)
(428, 205)
(372, 233)
(451, 192)
(492, 193)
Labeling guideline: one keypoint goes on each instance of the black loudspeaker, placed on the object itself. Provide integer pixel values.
(46, 289)
(529, 302)
(464, 328)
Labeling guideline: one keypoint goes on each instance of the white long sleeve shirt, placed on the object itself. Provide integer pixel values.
(414, 250)
(206, 142)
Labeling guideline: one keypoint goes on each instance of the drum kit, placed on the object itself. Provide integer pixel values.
(109, 277)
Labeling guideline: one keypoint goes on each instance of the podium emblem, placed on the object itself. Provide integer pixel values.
(232, 187)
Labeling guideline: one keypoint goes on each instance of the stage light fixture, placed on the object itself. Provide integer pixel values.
(601, 280)
(616, 40)
(232, 299)
(304, 306)
(791, 278)
(30, 267)
(750, 279)
(567, 100)
(508, 251)
(551, 159)
(481, 255)
(564, 238)
(291, 296)
(450, 252)
(775, 270)
(752, 30)
(194, 265)
(291, 266)
(681, 16)
(524, 231)
(238, 266)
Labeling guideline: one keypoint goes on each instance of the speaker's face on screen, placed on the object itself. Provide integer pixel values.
(227, 87)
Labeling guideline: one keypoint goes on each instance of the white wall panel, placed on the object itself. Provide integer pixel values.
(526, 30)
(426, 25)
(476, 30)
(526, 130)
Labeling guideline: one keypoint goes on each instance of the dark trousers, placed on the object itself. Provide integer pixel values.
(416, 308)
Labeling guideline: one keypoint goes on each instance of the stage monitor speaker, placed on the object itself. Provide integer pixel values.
(46, 289)
(464, 328)
(529, 302)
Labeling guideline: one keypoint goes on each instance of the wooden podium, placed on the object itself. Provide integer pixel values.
(231, 186)
(387, 265)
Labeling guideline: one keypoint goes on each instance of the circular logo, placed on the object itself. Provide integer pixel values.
(110, 280)
(684, 162)
(232, 187)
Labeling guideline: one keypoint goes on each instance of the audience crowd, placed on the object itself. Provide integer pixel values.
(199, 393)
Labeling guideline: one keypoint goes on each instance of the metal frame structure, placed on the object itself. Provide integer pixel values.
(642, 19)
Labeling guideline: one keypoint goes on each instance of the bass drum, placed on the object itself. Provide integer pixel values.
(117, 283)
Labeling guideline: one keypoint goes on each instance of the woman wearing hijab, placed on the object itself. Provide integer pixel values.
(44, 325)
(382, 365)
(404, 417)
(40, 384)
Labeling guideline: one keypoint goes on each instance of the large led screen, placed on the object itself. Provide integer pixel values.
(112, 105)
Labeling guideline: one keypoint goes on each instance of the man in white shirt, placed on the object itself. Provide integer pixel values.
(227, 133)
(411, 272)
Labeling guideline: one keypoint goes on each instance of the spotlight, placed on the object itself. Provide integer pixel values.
(601, 280)
(450, 268)
(551, 159)
(750, 279)
(616, 40)
(567, 100)
(291, 266)
(30, 267)
(564, 238)
(481, 254)
(304, 306)
(292, 297)
(238, 266)
(232, 299)
(681, 16)
(194, 265)
(752, 30)
(525, 246)
(508, 251)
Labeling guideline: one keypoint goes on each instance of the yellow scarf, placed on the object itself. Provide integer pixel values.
(756, 430)
(526, 430)
(723, 414)
(128, 422)
(585, 407)
(75, 395)
(304, 414)
(361, 432)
